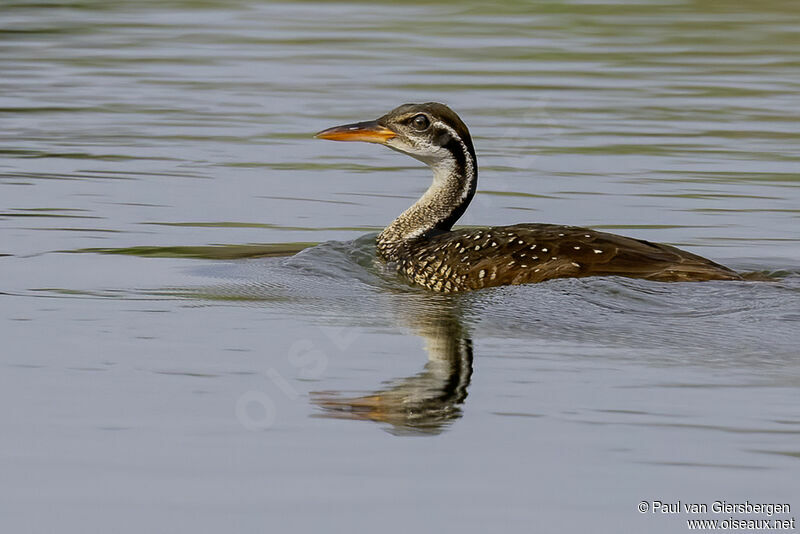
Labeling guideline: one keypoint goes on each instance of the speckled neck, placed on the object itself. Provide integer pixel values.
(454, 181)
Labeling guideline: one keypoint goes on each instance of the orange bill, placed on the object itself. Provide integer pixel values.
(370, 132)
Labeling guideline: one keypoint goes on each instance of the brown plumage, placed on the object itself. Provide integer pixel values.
(424, 248)
(526, 253)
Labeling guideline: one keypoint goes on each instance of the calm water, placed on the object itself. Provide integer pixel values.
(168, 364)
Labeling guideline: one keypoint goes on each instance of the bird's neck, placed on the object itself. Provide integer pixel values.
(455, 178)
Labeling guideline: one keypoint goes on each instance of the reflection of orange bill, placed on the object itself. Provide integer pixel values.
(370, 132)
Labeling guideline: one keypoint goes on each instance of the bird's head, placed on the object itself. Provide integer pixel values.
(431, 133)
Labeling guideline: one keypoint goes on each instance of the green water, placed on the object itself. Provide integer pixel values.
(196, 335)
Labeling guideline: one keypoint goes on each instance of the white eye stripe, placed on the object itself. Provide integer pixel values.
(467, 155)
(451, 186)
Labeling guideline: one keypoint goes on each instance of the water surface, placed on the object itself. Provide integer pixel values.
(196, 335)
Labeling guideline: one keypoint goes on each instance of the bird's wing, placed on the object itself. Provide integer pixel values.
(525, 253)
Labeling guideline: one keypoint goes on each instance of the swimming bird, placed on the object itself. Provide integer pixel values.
(422, 245)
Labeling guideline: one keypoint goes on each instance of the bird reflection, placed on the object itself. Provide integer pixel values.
(427, 402)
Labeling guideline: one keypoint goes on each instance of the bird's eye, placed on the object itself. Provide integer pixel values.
(420, 122)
